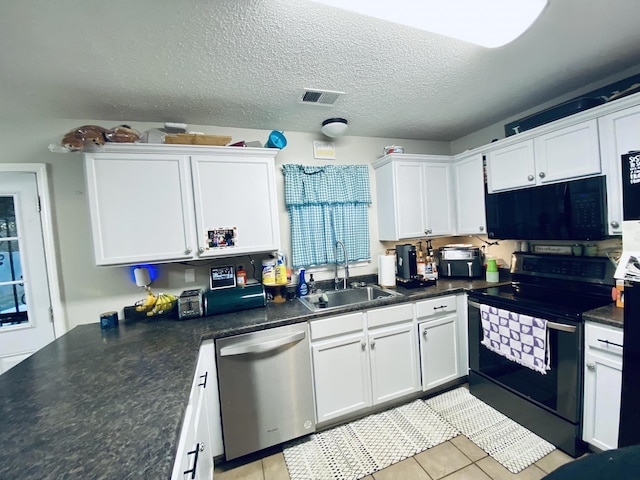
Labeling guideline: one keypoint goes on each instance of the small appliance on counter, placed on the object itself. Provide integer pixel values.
(225, 300)
(460, 260)
(190, 304)
(407, 268)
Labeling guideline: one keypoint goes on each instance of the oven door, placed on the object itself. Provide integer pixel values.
(560, 389)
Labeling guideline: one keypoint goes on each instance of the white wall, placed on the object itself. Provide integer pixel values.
(88, 290)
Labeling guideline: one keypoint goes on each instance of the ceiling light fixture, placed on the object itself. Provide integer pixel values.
(334, 127)
(489, 23)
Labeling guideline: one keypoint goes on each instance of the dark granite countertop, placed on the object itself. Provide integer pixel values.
(609, 315)
(109, 404)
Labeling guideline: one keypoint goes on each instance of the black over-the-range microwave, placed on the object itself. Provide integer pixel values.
(573, 210)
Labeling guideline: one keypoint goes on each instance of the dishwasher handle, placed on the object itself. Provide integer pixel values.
(261, 347)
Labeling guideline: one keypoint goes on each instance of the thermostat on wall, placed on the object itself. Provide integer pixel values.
(222, 277)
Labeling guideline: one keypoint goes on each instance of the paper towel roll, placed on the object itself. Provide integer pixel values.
(387, 270)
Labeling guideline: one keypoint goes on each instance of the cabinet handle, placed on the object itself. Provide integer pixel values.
(373, 343)
(428, 231)
(610, 343)
(194, 452)
(204, 382)
(591, 366)
(542, 175)
(481, 228)
(615, 224)
(188, 250)
(440, 307)
(530, 178)
(363, 344)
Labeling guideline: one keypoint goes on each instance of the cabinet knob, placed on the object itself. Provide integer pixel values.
(202, 446)
(615, 224)
(373, 343)
(201, 249)
(424, 332)
(363, 344)
(428, 231)
(542, 175)
(591, 366)
(481, 228)
(188, 250)
(530, 178)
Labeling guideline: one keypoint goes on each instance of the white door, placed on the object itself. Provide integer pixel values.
(25, 306)
(469, 193)
(439, 208)
(341, 376)
(394, 362)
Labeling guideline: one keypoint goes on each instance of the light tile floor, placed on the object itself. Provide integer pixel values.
(457, 459)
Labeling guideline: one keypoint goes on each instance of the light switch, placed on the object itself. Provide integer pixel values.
(189, 275)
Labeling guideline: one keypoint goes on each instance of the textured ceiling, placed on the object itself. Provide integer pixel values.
(244, 63)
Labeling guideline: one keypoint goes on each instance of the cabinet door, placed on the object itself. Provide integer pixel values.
(618, 135)
(439, 213)
(203, 463)
(207, 380)
(567, 153)
(438, 351)
(469, 195)
(141, 207)
(341, 376)
(186, 446)
(394, 362)
(511, 167)
(236, 194)
(602, 386)
(410, 199)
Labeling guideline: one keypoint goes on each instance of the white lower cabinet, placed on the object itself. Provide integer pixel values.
(363, 359)
(602, 385)
(438, 332)
(201, 435)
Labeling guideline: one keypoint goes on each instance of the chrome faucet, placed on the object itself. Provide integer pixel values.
(336, 279)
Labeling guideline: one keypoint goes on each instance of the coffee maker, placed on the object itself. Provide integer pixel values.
(406, 264)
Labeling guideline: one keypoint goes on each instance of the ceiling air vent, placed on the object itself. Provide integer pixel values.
(313, 96)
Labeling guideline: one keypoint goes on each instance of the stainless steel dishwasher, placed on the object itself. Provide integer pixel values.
(266, 391)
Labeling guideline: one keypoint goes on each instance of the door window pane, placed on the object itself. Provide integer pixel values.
(10, 265)
(7, 218)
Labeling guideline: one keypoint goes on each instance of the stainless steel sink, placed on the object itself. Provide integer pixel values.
(333, 299)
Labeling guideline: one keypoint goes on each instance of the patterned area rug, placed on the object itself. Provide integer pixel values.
(510, 444)
(362, 447)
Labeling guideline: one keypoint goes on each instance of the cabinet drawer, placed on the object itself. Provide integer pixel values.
(436, 306)
(389, 315)
(340, 325)
(604, 338)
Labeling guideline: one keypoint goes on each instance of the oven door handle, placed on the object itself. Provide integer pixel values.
(552, 325)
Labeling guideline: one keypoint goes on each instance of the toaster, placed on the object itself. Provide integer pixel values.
(190, 304)
(460, 260)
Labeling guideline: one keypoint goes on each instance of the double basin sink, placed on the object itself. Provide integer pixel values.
(333, 299)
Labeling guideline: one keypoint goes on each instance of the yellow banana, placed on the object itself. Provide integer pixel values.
(147, 304)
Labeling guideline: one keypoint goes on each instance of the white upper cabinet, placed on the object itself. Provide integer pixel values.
(619, 134)
(414, 196)
(468, 192)
(163, 203)
(562, 154)
(236, 193)
(511, 167)
(141, 207)
(568, 153)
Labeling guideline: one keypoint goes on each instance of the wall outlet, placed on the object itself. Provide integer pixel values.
(189, 275)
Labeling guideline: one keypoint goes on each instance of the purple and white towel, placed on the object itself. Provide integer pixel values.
(520, 338)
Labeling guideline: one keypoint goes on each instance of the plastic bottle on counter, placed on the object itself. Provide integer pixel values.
(303, 287)
(421, 262)
(281, 270)
(241, 277)
(312, 284)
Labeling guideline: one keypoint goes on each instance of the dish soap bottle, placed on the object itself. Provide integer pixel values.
(303, 288)
(312, 284)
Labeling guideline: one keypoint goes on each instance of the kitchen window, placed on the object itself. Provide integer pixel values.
(327, 204)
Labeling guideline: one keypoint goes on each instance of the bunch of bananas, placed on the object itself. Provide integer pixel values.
(164, 303)
(156, 305)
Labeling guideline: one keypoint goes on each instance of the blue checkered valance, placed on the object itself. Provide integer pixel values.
(327, 204)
